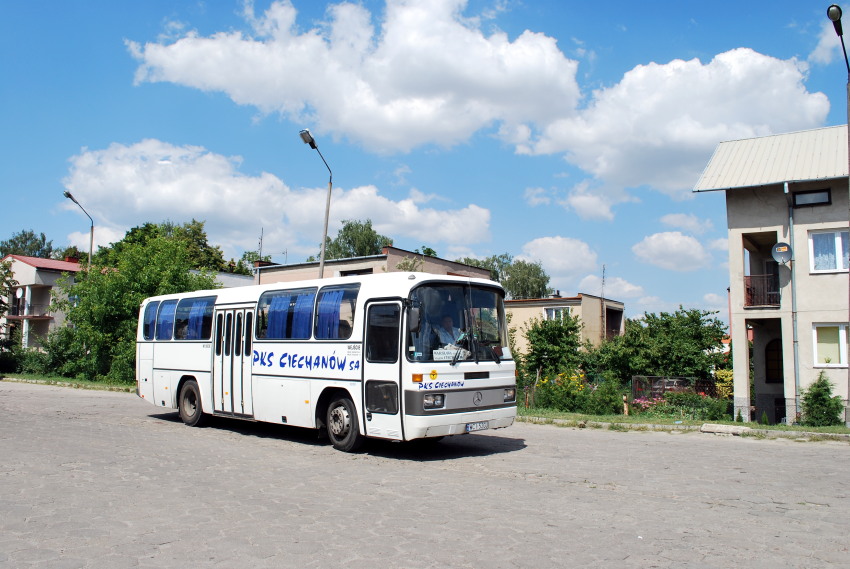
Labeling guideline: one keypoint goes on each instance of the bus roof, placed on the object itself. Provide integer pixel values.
(396, 283)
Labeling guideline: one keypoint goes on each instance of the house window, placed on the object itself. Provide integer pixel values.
(830, 342)
(829, 251)
(557, 313)
(814, 197)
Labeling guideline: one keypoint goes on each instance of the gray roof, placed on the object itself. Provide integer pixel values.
(817, 154)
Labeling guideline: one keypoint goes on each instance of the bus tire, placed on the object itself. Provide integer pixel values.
(189, 404)
(342, 425)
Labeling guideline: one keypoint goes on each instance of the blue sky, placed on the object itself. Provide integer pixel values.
(550, 130)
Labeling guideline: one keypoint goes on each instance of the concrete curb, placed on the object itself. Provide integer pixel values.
(708, 428)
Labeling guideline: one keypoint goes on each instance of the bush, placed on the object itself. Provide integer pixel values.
(723, 383)
(683, 405)
(564, 392)
(606, 399)
(820, 408)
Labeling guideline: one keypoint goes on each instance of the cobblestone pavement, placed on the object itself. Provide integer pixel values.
(99, 479)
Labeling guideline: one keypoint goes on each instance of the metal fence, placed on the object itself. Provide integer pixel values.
(652, 386)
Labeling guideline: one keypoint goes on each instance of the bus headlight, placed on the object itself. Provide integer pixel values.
(510, 394)
(434, 400)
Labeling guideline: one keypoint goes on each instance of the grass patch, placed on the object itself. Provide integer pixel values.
(71, 382)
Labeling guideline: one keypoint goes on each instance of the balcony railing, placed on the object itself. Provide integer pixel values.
(29, 311)
(761, 290)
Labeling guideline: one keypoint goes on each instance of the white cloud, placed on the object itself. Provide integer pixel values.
(659, 124)
(615, 287)
(391, 89)
(688, 222)
(828, 46)
(720, 244)
(393, 81)
(715, 301)
(673, 251)
(589, 205)
(563, 259)
(536, 196)
(103, 236)
(124, 186)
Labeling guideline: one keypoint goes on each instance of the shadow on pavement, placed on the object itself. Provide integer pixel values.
(457, 446)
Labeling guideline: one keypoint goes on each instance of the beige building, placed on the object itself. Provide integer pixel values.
(601, 318)
(29, 305)
(787, 217)
(387, 262)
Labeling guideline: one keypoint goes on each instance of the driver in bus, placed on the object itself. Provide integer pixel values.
(447, 333)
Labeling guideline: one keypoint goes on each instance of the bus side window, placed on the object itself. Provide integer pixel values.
(237, 336)
(165, 320)
(219, 332)
(248, 328)
(149, 320)
(382, 333)
(228, 333)
(285, 314)
(335, 312)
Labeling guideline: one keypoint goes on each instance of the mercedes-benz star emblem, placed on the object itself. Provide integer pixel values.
(476, 399)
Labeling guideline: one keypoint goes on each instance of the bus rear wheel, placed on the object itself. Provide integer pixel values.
(189, 404)
(343, 427)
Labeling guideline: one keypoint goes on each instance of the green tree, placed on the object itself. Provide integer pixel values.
(71, 252)
(355, 239)
(246, 263)
(201, 254)
(820, 407)
(520, 279)
(497, 265)
(526, 280)
(27, 243)
(683, 343)
(427, 251)
(553, 346)
(103, 305)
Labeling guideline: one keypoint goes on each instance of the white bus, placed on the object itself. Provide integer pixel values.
(397, 356)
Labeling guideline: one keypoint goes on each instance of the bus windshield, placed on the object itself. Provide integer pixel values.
(458, 322)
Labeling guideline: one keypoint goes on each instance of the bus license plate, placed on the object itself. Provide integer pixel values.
(479, 426)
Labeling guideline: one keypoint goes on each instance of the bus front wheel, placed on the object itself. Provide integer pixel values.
(189, 404)
(342, 425)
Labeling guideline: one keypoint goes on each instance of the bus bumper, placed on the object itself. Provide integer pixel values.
(418, 427)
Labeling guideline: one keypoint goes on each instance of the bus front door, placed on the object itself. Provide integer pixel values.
(381, 371)
(232, 362)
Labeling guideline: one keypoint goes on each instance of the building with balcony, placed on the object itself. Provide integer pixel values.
(29, 302)
(787, 217)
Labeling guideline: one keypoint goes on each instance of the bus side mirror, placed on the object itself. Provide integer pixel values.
(413, 319)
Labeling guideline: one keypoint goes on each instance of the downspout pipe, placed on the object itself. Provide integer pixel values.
(790, 201)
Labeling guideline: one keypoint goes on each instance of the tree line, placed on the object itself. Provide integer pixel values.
(101, 306)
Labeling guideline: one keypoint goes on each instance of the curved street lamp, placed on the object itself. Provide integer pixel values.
(91, 229)
(834, 14)
(308, 139)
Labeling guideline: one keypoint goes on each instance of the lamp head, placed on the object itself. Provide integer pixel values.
(68, 195)
(308, 138)
(834, 14)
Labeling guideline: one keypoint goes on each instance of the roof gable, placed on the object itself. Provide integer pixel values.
(818, 154)
(47, 264)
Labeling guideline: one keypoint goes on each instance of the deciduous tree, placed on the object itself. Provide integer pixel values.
(27, 243)
(102, 305)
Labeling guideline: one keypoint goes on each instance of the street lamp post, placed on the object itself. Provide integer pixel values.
(308, 139)
(91, 228)
(834, 14)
